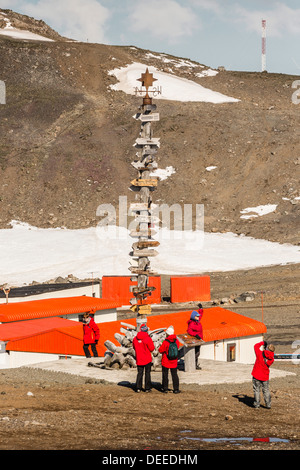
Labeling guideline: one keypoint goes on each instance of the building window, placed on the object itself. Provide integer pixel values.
(231, 350)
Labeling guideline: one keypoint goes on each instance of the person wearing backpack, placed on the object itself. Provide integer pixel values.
(169, 361)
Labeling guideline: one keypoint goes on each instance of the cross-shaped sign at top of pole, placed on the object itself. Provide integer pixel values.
(147, 79)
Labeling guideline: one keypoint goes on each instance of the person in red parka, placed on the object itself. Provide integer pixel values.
(168, 363)
(91, 335)
(261, 372)
(195, 329)
(143, 346)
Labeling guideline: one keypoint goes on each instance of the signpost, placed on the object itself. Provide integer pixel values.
(144, 185)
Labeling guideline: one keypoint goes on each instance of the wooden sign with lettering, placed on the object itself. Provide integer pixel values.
(145, 244)
(145, 182)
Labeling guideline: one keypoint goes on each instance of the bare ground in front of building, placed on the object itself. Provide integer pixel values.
(49, 410)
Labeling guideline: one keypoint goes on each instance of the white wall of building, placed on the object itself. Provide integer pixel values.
(89, 291)
(244, 349)
(13, 359)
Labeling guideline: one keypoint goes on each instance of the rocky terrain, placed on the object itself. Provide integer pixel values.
(67, 139)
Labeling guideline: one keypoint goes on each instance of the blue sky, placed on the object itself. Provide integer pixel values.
(212, 32)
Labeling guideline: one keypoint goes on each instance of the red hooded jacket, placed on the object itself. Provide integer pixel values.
(164, 348)
(194, 326)
(91, 332)
(264, 359)
(143, 346)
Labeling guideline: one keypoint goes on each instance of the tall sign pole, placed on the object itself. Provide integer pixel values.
(143, 186)
(263, 46)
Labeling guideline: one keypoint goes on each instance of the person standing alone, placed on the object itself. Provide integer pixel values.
(261, 372)
(91, 335)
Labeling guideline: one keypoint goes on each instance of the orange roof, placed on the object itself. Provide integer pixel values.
(218, 323)
(32, 309)
(15, 331)
(65, 336)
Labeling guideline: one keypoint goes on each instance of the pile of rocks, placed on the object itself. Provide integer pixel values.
(122, 356)
(234, 299)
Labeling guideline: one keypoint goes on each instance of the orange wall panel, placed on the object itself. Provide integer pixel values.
(190, 288)
(117, 288)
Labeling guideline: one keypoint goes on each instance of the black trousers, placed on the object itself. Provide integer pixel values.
(139, 378)
(165, 378)
(87, 351)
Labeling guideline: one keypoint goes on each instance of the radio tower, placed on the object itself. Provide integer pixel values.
(263, 46)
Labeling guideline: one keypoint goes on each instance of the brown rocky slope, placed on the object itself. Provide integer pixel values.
(67, 140)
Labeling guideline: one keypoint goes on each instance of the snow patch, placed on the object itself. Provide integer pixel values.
(173, 87)
(15, 33)
(207, 73)
(33, 254)
(258, 211)
(210, 168)
(163, 174)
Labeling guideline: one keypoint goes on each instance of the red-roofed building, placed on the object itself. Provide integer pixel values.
(228, 336)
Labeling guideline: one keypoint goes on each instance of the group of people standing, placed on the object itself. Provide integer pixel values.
(144, 346)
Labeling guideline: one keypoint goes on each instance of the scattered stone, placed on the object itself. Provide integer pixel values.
(228, 417)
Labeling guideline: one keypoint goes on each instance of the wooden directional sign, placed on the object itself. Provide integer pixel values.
(142, 165)
(147, 117)
(141, 271)
(144, 253)
(141, 290)
(138, 206)
(145, 141)
(143, 233)
(144, 309)
(145, 244)
(147, 219)
(145, 182)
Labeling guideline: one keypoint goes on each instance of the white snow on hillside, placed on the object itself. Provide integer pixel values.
(172, 87)
(33, 254)
(15, 33)
(163, 173)
(258, 211)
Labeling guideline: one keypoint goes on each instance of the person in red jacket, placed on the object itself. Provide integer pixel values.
(261, 372)
(143, 346)
(195, 329)
(91, 335)
(168, 363)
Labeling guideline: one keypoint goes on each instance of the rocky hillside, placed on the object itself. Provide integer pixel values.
(66, 139)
